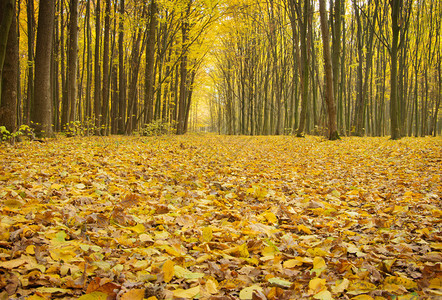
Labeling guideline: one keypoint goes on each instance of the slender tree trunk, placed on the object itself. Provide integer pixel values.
(121, 74)
(329, 95)
(41, 113)
(304, 66)
(31, 42)
(395, 9)
(97, 73)
(72, 61)
(150, 64)
(183, 73)
(105, 88)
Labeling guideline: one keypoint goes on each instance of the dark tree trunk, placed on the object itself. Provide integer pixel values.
(304, 66)
(31, 42)
(329, 96)
(395, 10)
(72, 61)
(183, 74)
(6, 18)
(105, 92)
(150, 64)
(88, 37)
(121, 74)
(41, 113)
(97, 73)
(8, 104)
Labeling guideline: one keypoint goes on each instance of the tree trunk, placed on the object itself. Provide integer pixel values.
(6, 16)
(304, 67)
(41, 114)
(97, 73)
(150, 64)
(183, 73)
(121, 75)
(31, 42)
(8, 78)
(72, 61)
(105, 91)
(395, 9)
(329, 96)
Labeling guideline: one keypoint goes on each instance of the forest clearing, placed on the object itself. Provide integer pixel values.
(221, 217)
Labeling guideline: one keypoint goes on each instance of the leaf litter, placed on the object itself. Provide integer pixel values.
(218, 217)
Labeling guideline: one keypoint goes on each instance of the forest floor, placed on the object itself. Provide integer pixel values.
(221, 217)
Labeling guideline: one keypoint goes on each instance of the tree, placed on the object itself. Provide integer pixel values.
(41, 114)
(72, 61)
(303, 16)
(8, 75)
(105, 94)
(6, 16)
(150, 64)
(329, 95)
(97, 70)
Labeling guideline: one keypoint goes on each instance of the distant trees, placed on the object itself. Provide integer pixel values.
(371, 47)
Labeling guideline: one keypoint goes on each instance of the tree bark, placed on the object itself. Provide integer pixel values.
(31, 42)
(41, 114)
(329, 96)
(72, 61)
(6, 17)
(97, 73)
(121, 74)
(395, 9)
(105, 91)
(150, 64)
(302, 19)
(8, 104)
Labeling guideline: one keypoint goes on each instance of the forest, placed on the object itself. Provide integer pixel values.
(220, 150)
(336, 68)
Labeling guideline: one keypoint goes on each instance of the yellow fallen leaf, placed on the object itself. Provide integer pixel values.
(94, 296)
(341, 286)
(30, 249)
(207, 234)
(279, 282)
(240, 251)
(135, 294)
(13, 263)
(318, 252)
(247, 293)
(360, 287)
(401, 281)
(189, 293)
(139, 228)
(304, 229)
(291, 263)
(323, 295)
(211, 286)
(270, 217)
(56, 186)
(435, 283)
(168, 270)
(316, 285)
(362, 297)
(319, 263)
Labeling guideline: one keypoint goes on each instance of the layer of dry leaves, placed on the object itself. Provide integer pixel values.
(210, 217)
